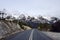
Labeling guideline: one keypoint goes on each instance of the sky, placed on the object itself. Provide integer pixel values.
(46, 8)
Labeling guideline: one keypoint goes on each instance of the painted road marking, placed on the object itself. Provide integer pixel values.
(31, 35)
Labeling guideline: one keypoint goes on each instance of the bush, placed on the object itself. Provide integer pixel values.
(44, 27)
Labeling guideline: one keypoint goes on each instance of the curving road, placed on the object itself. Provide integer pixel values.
(33, 34)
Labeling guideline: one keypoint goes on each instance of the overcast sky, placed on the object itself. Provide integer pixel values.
(32, 7)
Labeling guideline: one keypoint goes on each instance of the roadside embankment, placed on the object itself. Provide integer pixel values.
(7, 28)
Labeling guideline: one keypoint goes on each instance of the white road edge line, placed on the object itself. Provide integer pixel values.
(31, 35)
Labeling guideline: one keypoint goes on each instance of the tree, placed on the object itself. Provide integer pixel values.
(54, 19)
(32, 18)
(8, 17)
(22, 16)
(40, 17)
(28, 17)
(2, 13)
(56, 26)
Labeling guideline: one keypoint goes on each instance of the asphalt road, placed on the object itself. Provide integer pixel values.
(33, 34)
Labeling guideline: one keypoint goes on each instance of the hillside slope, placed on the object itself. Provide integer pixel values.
(7, 28)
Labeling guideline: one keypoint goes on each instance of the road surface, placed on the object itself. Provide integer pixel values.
(33, 34)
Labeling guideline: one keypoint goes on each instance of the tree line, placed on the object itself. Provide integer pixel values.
(43, 24)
